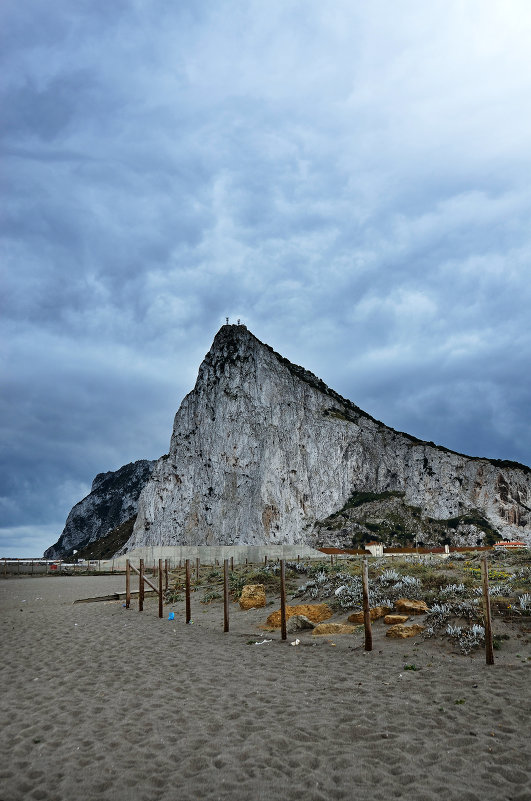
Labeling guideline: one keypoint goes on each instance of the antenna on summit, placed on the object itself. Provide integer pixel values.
(227, 320)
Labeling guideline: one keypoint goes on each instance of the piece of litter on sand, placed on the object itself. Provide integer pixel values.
(295, 642)
(262, 642)
(171, 616)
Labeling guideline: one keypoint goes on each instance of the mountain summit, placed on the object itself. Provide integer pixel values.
(262, 451)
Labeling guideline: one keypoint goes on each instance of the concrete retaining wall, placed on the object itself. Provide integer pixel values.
(209, 554)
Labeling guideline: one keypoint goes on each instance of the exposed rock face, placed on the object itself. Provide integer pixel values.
(253, 596)
(333, 628)
(375, 614)
(406, 607)
(112, 500)
(298, 623)
(402, 632)
(314, 612)
(262, 449)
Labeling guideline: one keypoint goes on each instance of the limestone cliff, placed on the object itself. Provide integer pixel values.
(113, 499)
(262, 450)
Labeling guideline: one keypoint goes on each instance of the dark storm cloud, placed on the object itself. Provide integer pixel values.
(352, 182)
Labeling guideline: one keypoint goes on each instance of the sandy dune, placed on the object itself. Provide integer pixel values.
(100, 702)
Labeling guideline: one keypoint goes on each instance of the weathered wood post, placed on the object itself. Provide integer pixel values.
(127, 584)
(283, 633)
(141, 587)
(265, 560)
(187, 590)
(489, 648)
(232, 563)
(366, 607)
(160, 588)
(197, 564)
(225, 595)
(165, 574)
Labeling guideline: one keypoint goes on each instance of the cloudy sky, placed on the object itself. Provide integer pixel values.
(351, 179)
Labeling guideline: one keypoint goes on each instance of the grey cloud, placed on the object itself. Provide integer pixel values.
(351, 183)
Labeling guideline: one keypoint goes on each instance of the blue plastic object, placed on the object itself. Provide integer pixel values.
(171, 616)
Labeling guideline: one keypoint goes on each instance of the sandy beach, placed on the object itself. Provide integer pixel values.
(101, 702)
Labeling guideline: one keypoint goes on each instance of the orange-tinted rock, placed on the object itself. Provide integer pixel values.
(393, 619)
(314, 612)
(253, 596)
(333, 628)
(401, 632)
(406, 607)
(376, 612)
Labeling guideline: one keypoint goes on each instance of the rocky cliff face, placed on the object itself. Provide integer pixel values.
(263, 452)
(113, 499)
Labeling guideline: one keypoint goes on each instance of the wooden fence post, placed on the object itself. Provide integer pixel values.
(160, 588)
(187, 589)
(127, 584)
(165, 574)
(265, 560)
(366, 607)
(232, 563)
(283, 633)
(225, 595)
(489, 648)
(141, 587)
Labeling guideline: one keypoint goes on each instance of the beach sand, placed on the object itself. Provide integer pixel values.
(101, 702)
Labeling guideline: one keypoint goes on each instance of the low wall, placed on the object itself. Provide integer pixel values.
(210, 554)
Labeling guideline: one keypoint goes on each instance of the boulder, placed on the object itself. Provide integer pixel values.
(401, 632)
(314, 612)
(393, 619)
(376, 612)
(333, 628)
(406, 607)
(253, 596)
(298, 623)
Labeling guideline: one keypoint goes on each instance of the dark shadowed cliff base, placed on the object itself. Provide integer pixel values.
(101, 702)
